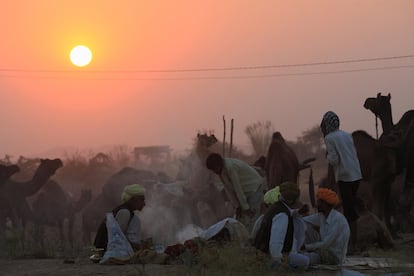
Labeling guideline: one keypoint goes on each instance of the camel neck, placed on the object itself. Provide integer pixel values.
(386, 121)
(35, 184)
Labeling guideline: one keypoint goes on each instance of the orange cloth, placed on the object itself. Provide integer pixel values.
(328, 196)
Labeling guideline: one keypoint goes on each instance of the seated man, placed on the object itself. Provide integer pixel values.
(332, 244)
(281, 231)
(132, 198)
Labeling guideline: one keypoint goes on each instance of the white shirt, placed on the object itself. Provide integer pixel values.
(131, 227)
(278, 232)
(334, 233)
(342, 155)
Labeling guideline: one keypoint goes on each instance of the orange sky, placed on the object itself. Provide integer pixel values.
(105, 103)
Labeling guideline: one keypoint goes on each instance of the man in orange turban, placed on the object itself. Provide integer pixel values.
(328, 196)
(331, 245)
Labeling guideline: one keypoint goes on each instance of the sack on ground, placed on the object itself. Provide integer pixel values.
(118, 249)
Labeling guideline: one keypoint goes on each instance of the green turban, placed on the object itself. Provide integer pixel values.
(289, 191)
(272, 196)
(132, 190)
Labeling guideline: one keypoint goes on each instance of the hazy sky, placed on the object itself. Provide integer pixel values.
(47, 102)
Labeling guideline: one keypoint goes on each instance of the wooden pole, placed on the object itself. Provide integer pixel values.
(231, 137)
(224, 136)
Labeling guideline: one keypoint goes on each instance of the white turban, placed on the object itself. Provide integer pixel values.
(132, 190)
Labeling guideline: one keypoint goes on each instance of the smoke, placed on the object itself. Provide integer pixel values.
(179, 211)
(167, 220)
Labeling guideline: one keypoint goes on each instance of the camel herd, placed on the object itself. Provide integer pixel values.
(13, 194)
(387, 188)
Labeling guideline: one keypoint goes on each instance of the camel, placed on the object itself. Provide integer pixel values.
(113, 188)
(281, 163)
(372, 232)
(379, 169)
(53, 206)
(13, 194)
(203, 144)
(399, 136)
(6, 171)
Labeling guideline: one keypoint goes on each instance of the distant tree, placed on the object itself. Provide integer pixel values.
(312, 140)
(121, 155)
(311, 144)
(260, 135)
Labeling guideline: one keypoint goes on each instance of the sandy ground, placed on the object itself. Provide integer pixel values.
(58, 267)
(81, 265)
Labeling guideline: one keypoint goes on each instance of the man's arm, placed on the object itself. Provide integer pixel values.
(331, 152)
(277, 235)
(326, 241)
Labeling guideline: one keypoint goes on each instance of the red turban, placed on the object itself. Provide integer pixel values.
(328, 196)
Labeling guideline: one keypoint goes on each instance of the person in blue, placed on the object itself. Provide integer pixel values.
(342, 155)
(282, 230)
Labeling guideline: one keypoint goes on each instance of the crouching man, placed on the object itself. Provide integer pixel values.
(132, 198)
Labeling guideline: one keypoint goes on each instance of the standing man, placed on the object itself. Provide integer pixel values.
(342, 155)
(242, 184)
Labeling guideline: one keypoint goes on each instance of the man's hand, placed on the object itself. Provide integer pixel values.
(238, 212)
(136, 246)
(304, 210)
(248, 213)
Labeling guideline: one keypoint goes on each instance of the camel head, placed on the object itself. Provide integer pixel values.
(205, 140)
(6, 171)
(379, 105)
(48, 167)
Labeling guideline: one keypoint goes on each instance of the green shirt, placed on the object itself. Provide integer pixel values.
(239, 181)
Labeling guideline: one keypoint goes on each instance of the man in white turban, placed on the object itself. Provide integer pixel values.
(132, 198)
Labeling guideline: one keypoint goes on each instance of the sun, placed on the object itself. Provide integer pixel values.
(80, 56)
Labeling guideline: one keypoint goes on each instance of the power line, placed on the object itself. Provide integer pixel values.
(235, 68)
(226, 77)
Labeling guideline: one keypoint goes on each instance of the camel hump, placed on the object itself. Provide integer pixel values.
(406, 120)
(306, 163)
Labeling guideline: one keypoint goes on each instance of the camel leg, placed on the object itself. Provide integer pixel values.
(86, 235)
(70, 231)
(39, 235)
(61, 235)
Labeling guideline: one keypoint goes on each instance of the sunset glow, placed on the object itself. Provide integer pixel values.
(135, 77)
(81, 56)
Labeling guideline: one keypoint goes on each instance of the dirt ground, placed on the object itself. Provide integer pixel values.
(81, 265)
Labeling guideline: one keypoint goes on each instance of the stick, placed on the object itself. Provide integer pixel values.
(224, 136)
(231, 137)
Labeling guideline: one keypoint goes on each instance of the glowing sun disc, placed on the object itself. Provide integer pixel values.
(80, 56)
